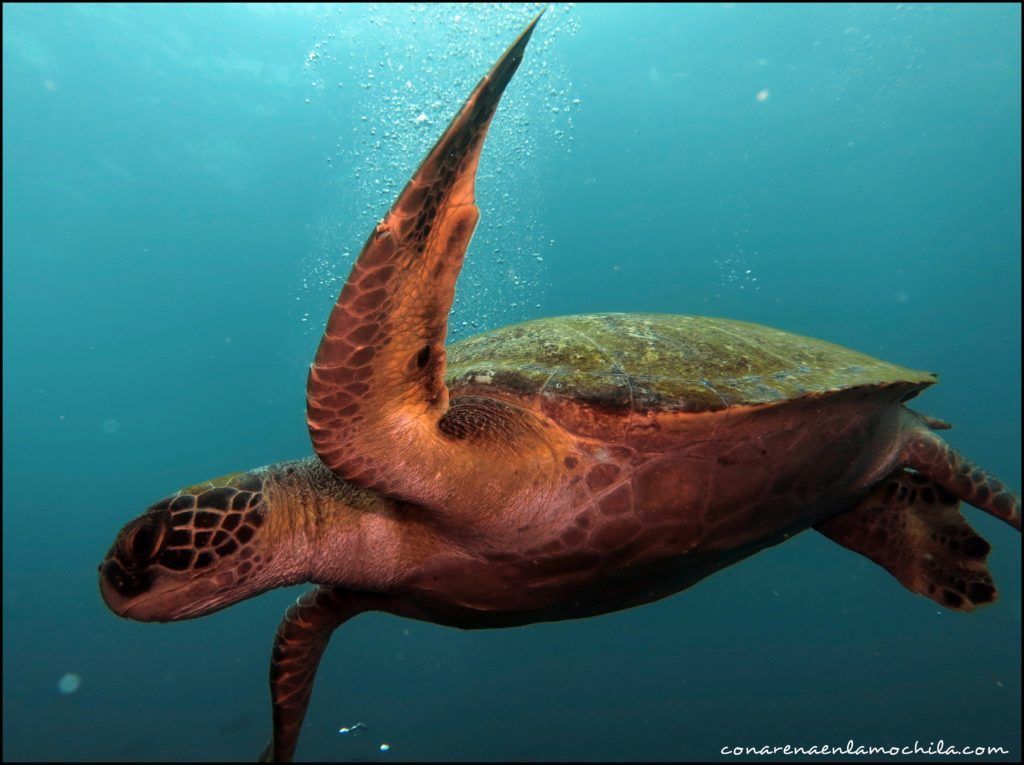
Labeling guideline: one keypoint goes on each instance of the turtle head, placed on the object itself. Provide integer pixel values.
(189, 554)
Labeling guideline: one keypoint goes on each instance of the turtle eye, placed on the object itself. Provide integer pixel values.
(143, 541)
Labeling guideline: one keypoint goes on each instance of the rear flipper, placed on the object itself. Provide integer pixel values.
(928, 454)
(912, 527)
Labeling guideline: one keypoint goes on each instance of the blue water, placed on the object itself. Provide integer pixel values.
(183, 188)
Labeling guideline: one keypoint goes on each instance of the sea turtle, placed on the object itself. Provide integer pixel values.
(555, 469)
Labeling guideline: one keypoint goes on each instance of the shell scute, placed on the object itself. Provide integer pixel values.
(660, 362)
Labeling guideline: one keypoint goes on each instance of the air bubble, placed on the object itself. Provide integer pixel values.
(69, 683)
(401, 94)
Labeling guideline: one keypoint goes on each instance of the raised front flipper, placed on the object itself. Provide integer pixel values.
(376, 392)
(299, 645)
(913, 529)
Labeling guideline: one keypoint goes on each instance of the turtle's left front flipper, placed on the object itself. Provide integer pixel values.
(376, 392)
(299, 645)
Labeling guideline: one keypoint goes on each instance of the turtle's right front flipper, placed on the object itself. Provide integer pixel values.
(376, 392)
(301, 639)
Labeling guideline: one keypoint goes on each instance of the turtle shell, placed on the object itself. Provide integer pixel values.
(644, 362)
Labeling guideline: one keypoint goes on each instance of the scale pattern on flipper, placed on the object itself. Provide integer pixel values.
(912, 527)
(299, 644)
(377, 384)
(940, 462)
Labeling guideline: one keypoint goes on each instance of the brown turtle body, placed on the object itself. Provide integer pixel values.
(690, 440)
(554, 469)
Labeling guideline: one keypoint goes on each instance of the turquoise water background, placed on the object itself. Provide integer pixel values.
(185, 187)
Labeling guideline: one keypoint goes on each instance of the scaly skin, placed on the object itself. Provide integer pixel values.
(558, 469)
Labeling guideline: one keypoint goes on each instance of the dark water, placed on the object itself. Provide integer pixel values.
(183, 187)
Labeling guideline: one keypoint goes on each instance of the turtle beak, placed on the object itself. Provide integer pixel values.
(125, 573)
(119, 587)
(135, 595)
